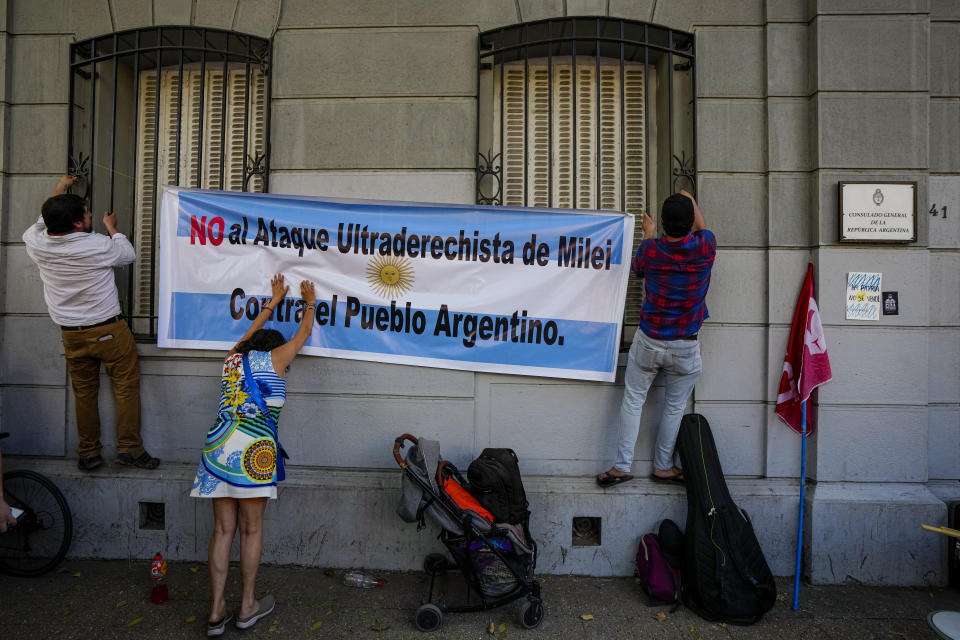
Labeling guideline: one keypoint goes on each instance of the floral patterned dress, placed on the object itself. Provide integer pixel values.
(240, 453)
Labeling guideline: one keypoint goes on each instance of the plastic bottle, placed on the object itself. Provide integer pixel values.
(158, 575)
(354, 579)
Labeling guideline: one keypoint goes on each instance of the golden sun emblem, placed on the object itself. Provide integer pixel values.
(389, 276)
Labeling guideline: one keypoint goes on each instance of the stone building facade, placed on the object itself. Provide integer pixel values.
(385, 100)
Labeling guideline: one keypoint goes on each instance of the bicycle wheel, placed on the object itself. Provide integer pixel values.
(43, 533)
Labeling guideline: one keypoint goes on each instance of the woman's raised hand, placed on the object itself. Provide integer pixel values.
(307, 293)
(278, 288)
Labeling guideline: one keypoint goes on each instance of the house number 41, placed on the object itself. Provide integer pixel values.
(942, 212)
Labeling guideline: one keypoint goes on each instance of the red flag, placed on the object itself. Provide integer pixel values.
(806, 365)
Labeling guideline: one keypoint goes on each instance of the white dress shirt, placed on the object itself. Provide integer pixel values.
(77, 273)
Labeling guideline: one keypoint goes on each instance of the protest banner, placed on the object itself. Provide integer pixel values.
(527, 291)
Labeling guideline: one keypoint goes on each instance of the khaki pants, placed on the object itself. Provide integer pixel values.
(114, 346)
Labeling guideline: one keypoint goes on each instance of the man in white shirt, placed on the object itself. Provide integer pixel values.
(76, 266)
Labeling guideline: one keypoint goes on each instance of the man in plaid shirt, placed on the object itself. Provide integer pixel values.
(676, 273)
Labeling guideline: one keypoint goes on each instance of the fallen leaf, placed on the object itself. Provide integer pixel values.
(194, 569)
(330, 587)
(491, 630)
(135, 621)
(122, 603)
(316, 625)
(586, 616)
(67, 612)
(191, 618)
(502, 627)
(661, 616)
(76, 575)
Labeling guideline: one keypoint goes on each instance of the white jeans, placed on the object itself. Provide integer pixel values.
(680, 362)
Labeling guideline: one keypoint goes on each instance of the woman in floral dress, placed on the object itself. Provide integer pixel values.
(241, 455)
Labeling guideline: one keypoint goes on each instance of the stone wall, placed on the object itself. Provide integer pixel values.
(378, 99)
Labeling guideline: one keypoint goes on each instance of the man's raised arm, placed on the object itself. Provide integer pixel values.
(698, 222)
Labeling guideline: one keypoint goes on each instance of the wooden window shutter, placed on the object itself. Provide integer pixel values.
(147, 152)
(213, 125)
(538, 136)
(162, 143)
(550, 134)
(190, 129)
(586, 127)
(609, 102)
(234, 152)
(510, 123)
(563, 135)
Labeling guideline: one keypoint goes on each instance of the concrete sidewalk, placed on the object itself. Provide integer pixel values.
(111, 599)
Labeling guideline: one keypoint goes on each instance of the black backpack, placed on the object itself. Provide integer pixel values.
(495, 482)
(725, 575)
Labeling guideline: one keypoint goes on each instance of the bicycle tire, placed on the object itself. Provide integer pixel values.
(43, 533)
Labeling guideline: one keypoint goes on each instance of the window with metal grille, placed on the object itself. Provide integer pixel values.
(165, 106)
(586, 113)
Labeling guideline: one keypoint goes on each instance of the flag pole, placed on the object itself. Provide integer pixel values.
(803, 483)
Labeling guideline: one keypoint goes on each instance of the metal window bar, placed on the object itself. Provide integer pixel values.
(156, 185)
(526, 121)
(113, 130)
(670, 96)
(246, 121)
(265, 67)
(693, 94)
(223, 121)
(623, 124)
(599, 139)
(575, 159)
(133, 154)
(549, 118)
(176, 168)
(138, 46)
(646, 124)
(93, 121)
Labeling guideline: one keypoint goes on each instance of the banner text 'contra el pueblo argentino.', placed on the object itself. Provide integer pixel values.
(509, 290)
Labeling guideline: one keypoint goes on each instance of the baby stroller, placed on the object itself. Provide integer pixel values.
(497, 560)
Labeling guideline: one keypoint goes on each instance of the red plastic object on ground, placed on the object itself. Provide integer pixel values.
(158, 574)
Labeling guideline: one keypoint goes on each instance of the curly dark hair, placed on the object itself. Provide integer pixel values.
(261, 340)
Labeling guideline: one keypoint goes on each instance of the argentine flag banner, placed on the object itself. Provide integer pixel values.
(526, 291)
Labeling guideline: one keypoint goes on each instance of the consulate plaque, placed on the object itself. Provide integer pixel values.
(878, 211)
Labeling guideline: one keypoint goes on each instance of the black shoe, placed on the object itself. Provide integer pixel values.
(89, 464)
(143, 461)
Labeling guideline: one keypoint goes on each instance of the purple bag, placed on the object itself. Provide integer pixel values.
(657, 577)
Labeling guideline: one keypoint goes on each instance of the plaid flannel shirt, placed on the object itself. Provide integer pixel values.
(676, 277)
